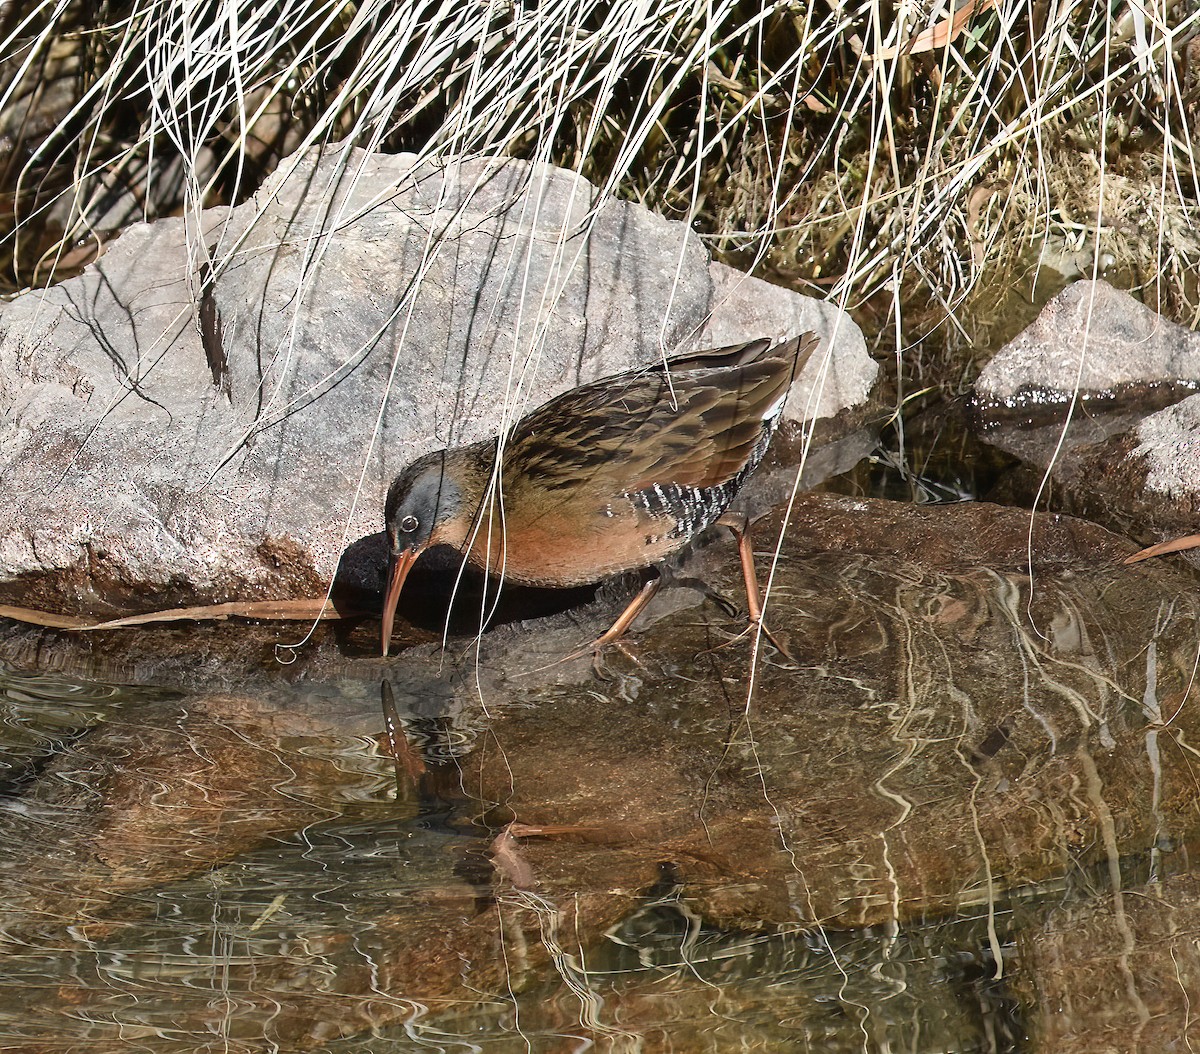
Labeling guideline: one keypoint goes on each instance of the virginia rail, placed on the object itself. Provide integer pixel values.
(614, 475)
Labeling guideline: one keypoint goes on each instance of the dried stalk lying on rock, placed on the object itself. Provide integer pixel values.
(284, 610)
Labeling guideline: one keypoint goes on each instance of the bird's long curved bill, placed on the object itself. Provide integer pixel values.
(398, 568)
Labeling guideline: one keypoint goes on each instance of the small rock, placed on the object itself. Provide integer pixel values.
(1128, 454)
(1091, 338)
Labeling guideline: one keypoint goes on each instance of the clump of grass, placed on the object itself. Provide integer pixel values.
(898, 153)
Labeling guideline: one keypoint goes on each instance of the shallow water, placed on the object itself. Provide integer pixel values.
(232, 955)
(959, 817)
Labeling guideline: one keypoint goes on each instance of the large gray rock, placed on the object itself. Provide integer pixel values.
(370, 309)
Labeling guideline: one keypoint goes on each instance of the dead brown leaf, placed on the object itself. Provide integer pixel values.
(940, 34)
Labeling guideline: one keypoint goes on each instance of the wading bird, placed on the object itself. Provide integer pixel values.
(612, 476)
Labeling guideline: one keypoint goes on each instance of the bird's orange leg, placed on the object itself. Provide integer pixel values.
(739, 526)
(617, 630)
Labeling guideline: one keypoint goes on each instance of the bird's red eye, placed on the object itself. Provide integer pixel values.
(408, 524)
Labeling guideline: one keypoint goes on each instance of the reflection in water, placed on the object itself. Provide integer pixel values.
(961, 820)
(41, 713)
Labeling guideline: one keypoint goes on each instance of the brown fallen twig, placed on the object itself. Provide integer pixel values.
(1175, 545)
(282, 610)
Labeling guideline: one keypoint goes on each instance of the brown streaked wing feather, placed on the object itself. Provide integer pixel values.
(711, 443)
(712, 358)
(626, 432)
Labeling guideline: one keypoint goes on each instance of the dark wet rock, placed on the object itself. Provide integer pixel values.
(173, 436)
(1143, 481)
(949, 537)
(919, 756)
(958, 728)
(782, 991)
(160, 790)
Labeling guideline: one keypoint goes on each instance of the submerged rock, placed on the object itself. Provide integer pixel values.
(1115, 972)
(172, 436)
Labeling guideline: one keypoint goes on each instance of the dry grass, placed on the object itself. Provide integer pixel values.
(874, 153)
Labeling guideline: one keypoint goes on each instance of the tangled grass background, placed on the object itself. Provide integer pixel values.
(893, 158)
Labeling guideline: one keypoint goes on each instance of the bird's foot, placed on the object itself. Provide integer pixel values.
(597, 650)
(600, 667)
(702, 587)
(757, 627)
(780, 646)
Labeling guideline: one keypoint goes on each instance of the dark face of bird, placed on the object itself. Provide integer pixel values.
(419, 499)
